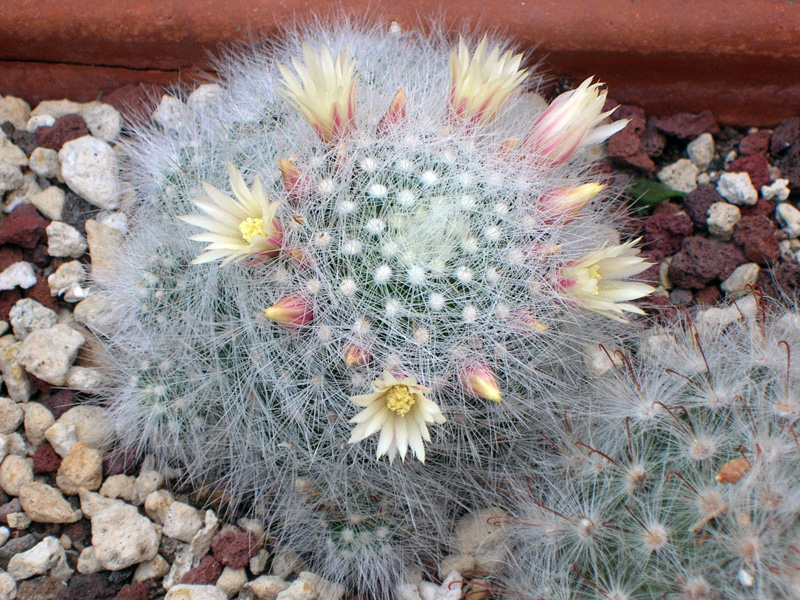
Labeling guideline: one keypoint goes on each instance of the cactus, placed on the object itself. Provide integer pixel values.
(678, 474)
(403, 248)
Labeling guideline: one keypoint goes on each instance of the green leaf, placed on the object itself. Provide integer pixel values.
(647, 194)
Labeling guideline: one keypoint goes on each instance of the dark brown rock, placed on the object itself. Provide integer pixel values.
(66, 128)
(95, 585)
(25, 141)
(79, 532)
(133, 591)
(9, 507)
(785, 134)
(15, 545)
(782, 281)
(754, 165)
(664, 232)
(24, 226)
(206, 573)
(762, 208)
(120, 461)
(654, 257)
(681, 297)
(755, 143)
(40, 292)
(45, 460)
(634, 114)
(789, 165)
(38, 256)
(652, 141)
(40, 588)
(135, 102)
(77, 211)
(8, 298)
(9, 255)
(687, 126)
(757, 237)
(700, 261)
(698, 201)
(233, 548)
(708, 296)
(7, 128)
(60, 402)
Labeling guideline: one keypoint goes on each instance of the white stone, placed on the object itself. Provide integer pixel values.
(61, 437)
(15, 472)
(10, 177)
(122, 537)
(201, 542)
(38, 419)
(171, 113)
(104, 242)
(65, 241)
(45, 556)
(28, 315)
(450, 589)
(259, 562)
(89, 167)
(146, 483)
(789, 217)
(182, 563)
(182, 522)
(266, 587)
(93, 424)
(8, 587)
(44, 162)
(736, 188)
(13, 443)
(722, 219)
(118, 221)
(119, 486)
(89, 380)
(742, 276)
(18, 520)
(11, 415)
(59, 108)
(20, 274)
(157, 504)
(205, 95)
(14, 376)
(231, 581)
(680, 175)
(45, 504)
(195, 592)
(14, 110)
(286, 562)
(701, 150)
(151, 569)
(82, 468)
(11, 154)
(96, 312)
(48, 353)
(92, 503)
(322, 587)
(104, 122)
(298, 590)
(87, 561)
(50, 202)
(23, 194)
(477, 535)
(37, 121)
(68, 276)
(778, 190)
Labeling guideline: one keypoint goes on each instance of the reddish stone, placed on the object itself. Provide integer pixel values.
(8, 298)
(681, 297)
(66, 128)
(38, 256)
(9, 255)
(78, 532)
(40, 292)
(133, 591)
(623, 143)
(654, 257)
(754, 165)
(40, 588)
(661, 307)
(708, 296)
(41, 384)
(755, 143)
(789, 165)
(698, 201)
(782, 281)
(762, 208)
(96, 586)
(233, 547)
(785, 134)
(24, 226)
(687, 126)
(664, 233)
(667, 208)
(652, 141)
(206, 573)
(700, 261)
(60, 402)
(45, 460)
(120, 461)
(135, 102)
(634, 114)
(756, 235)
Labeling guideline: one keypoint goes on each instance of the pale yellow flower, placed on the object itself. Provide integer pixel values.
(398, 409)
(236, 229)
(598, 281)
(480, 84)
(323, 90)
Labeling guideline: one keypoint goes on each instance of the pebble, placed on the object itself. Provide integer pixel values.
(28, 315)
(89, 167)
(94, 427)
(23, 194)
(37, 121)
(82, 467)
(65, 241)
(61, 437)
(736, 188)
(205, 95)
(103, 241)
(87, 562)
(14, 110)
(11, 415)
(155, 568)
(201, 542)
(104, 122)
(476, 535)
(722, 219)
(231, 581)
(59, 108)
(171, 113)
(146, 483)
(156, 505)
(233, 547)
(20, 274)
(68, 278)
(182, 563)
(298, 590)
(50, 202)
(701, 150)
(789, 217)
(5, 533)
(120, 486)
(743, 276)
(44, 162)
(778, 190)
(182, 522)
(266, 587)
(195, 592)
(45, 556)
(11, 154)
(10, 177)
(122, 537)
(48, 353)
(15, 471)
(258, 563)
(18, 521)
(45, 504)
(37, 421)
(8, 587)
(680, 176)
(96, 312)
(89, 380)
(92, 503)
(13, 443)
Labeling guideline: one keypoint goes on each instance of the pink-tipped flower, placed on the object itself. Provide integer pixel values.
(598, 281)
(323, 91)
(572, 123)
(295, 181)
(478, 378)
(480, 84)
(563, 203)
(396, 114)
(528, 322)
(293, 311)
(356, 355)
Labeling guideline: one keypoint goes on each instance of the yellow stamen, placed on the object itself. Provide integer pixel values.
(399, 400)
(594, 273)
(250, 228)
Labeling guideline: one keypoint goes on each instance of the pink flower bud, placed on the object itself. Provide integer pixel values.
(293, 311)
(563, 203)
(478, 378)
(396, 114)
(295, 182)
(356, 355)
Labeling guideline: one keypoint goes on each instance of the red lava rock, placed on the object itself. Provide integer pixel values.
(60, 402)
(38, 256)
(133, 591)
(40, 588)
(634, 114)
(206, 573)
(233, 547)
(667, 208)
(8, 298)
(785, 134)
(755, 143)
(135, 102)
(24, 226)
(66, 128)
(661, 306)
(754, 165)
(652, 141)
(654, 257)
(40, 292)
(664, 233)
(756, 235)
(698, 201)
(701, 260)
(687, 126)
(681, 297)
(789, 165)
(78, 531)
(120, 461)
(9, 255)
(762, 208)
(95, 586)
(45, 460)
(708, 296)
(41, 384)
(623, 143)
(783, 280)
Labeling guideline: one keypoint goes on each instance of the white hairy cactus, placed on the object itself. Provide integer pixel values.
(403, 247)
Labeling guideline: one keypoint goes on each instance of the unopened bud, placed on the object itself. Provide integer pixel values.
(478, 379)
(293, 311)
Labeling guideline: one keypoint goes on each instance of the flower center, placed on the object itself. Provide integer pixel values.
(399, 400)
(250, 228)
(594, 273)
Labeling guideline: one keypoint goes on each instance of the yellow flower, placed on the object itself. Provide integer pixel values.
(597, 281)
(236, 229)
(398, 409)
(323, 91)
(481, 84)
